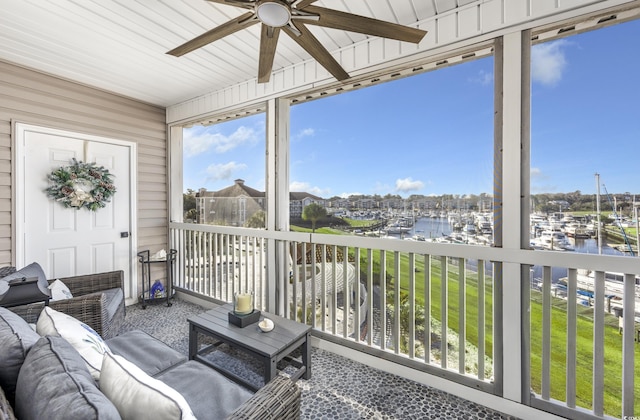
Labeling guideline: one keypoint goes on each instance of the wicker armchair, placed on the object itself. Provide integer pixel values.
(279, 399)
(90, 304)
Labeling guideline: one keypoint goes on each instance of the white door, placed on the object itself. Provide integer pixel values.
(69, 241)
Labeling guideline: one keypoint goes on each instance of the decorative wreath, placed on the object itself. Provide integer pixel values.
(81, 185)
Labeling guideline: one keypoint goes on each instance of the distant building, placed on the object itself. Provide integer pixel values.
(299, 200)
(231, 206)
(235, 205)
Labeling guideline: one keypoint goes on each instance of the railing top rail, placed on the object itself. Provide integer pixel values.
(519, 256)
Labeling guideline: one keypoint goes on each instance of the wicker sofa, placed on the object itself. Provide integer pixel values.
(50, 376)
(98, 301)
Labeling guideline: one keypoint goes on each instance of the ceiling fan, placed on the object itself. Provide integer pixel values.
(292, 16)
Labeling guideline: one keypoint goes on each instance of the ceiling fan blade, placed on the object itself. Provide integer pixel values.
(301, 4)
(310, 43)
(215, 34)
(335, 19)
(245, 4)
(268, 43)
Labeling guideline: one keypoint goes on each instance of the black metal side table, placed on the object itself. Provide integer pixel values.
(145, 263)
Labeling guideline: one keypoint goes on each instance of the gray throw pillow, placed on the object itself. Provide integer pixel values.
(32, 270)
(54, 383)
(16, 339)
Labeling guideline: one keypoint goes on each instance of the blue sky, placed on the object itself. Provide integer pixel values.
(432, 134)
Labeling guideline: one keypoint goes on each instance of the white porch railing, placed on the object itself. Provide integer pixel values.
(431, 307)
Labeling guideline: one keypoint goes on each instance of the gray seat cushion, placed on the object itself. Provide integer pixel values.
(148, 353)
(16, 339)
(55, 380)
(210, 394)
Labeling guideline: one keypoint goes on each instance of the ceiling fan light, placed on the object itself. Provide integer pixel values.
(273, 13)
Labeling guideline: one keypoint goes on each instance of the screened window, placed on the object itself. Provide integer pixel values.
(409, 159)
(224, 173)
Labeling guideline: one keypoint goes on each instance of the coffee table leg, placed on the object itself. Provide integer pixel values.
(306, 357)
(270, 369)
(193, 341)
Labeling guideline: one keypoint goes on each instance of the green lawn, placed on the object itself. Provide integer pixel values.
(318, 230)
(359, 223)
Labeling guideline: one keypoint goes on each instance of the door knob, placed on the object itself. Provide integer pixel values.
(124, 234)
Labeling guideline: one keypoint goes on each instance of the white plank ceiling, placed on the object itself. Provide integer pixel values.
(120, 45)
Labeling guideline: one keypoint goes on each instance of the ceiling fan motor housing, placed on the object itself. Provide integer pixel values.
(273, 13)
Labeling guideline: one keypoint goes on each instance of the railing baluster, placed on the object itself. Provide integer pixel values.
(314, 298)
(356, 284)
(462, 310)
(383, 302)
(598, 345)
(628, 345)
(323, 286)
(396, 302)
(546, 332)
(205, 263)
(427, 308)
(199, 251)
(412, 305)
(369, 296)
(262, 271)
(229, 281)
(293, 311)
(481, 320)
(346, 292)
(191, 239)
(242, 264)
(231, 267)
(257, 290)
(304, 281)
(572, 331)
(444, 310)
(218, 265)
(287, 286)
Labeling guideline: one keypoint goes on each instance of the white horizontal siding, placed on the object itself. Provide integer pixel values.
(474, 22)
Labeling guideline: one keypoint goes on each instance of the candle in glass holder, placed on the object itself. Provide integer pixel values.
(243, 303)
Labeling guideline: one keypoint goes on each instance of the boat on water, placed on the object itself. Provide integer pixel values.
(576, 230)
(613, 287)
(552, 240)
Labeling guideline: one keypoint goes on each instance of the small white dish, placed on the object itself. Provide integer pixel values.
(266, 325)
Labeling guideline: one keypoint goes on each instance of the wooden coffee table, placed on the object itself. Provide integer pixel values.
(269, 348)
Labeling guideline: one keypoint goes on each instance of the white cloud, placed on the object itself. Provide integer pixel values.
(548, 62)
(222, 171)
(305, 132)
(201, 141)
(297, 186)
(347, 195)
(483, 78)
(408, 184)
